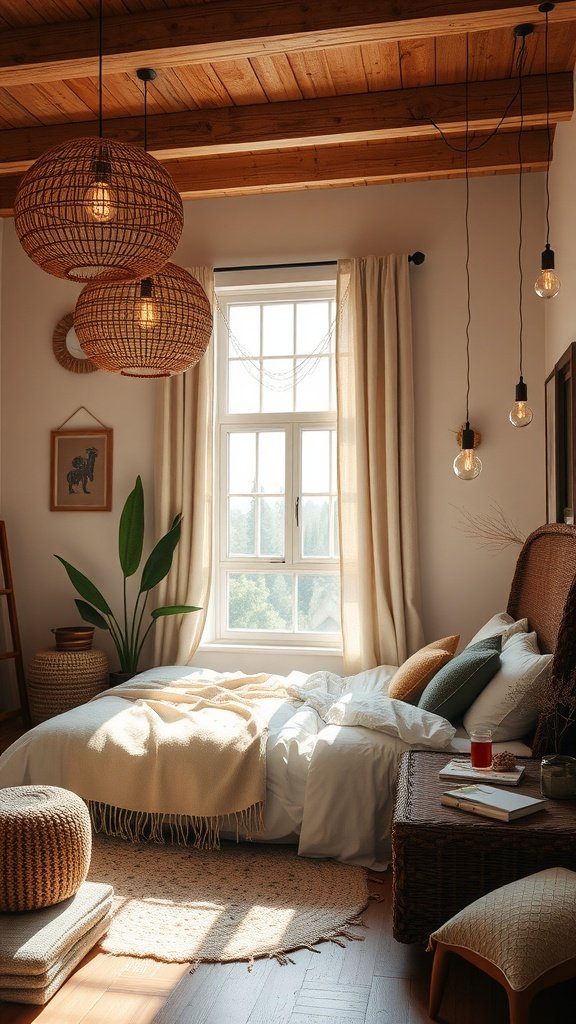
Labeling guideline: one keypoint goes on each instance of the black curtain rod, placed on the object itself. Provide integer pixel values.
(416, 258)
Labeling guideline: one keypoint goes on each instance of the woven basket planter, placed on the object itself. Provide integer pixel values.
(60, 680)
(45, 846)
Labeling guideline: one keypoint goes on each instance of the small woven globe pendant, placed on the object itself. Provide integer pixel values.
(156, 327)
(98, 208)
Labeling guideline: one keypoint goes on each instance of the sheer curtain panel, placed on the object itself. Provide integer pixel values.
(183, 483)
(380, 587)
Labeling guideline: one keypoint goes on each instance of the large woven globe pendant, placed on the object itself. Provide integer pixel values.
(156, 327)
(98, 208)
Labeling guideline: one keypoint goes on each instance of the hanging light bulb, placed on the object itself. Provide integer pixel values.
(547, 284)
(521, 414)
(99, 198)
(147, 308)
(467, 465)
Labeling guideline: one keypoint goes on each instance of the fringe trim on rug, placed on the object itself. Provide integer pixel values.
(200, 832)
(281, 956)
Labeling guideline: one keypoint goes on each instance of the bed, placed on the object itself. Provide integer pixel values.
(329, 746)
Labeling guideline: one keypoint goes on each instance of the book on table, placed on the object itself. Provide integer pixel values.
(462, 769)
(491, 802)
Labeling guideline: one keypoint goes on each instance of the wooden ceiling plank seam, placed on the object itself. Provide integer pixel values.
(242, 28)
(276, 77)
(381, 66)
(312, 74)
(417, 60)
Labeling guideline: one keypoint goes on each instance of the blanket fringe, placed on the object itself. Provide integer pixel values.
(184, 830)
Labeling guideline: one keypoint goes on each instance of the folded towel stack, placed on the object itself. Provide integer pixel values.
(39, 949)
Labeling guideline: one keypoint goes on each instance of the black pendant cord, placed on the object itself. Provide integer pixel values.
(100, 64)
(146, 75)
(466, 221)
(546, 8)
(145, 115)
(520, 63)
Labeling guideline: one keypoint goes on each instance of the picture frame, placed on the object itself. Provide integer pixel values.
(81, 470)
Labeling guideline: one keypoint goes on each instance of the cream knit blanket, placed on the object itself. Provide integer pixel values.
(188, 748)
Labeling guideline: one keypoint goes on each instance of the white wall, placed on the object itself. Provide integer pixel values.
(462, 584)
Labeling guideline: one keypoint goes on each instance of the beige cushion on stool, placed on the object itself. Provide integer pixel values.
(523, 935)
(45, 846)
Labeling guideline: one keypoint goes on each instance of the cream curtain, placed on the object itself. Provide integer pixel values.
(381, 622)
(183, 483)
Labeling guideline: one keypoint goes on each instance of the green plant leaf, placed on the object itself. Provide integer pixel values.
(160, 559)
(89, 614)
(174, 609)
(131, 530)
(85, 587)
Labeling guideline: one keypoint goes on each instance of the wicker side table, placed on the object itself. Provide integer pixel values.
(443, 859)
(60, 680)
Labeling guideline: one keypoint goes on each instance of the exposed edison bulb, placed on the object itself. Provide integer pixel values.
(99, 202)
(148, 313)
(467, 465)
(521, 414)
(99, 198)
(547, 284)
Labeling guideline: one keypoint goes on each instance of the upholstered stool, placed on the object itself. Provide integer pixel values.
(45, 846)
(523, 935)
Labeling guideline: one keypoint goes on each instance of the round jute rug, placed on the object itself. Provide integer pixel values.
(241, 902)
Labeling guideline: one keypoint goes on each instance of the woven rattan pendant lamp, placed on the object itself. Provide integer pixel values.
(156, 327)
(98, 208)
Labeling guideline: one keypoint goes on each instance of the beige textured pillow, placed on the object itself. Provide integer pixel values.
(412, 678)
(524, 928)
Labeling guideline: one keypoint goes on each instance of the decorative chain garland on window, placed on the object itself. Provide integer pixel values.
(302, 366)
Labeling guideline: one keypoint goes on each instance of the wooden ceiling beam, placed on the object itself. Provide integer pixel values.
(228, 29)
(343, 119)
(360, 163)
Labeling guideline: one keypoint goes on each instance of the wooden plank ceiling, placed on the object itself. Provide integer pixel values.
(280, 95)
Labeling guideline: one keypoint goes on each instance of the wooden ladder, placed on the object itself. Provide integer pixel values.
(15, 652)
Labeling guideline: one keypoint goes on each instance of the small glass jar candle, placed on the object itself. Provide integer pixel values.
(558, 777)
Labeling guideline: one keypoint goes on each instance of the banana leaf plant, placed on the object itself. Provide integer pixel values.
(130, 631)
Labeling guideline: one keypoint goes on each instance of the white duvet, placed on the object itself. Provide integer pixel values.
(331, 758)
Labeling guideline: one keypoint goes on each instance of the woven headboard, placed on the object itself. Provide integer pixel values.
(544, 591)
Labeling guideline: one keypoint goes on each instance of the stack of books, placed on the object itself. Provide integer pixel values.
(490, 802)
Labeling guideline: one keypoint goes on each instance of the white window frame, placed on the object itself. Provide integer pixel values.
(292, 424)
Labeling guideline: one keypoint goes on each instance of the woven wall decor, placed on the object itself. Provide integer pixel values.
(98, 208)
(150, 328)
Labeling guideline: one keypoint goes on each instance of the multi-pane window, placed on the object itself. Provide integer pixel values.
(278, 569)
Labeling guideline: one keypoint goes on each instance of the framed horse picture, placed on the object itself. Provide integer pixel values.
(81, 470)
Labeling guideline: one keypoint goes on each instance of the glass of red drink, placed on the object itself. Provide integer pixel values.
(481, 747)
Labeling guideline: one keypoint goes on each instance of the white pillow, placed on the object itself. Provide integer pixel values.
(372, 680)
(509, 703)
(502, 625)
(395, 717)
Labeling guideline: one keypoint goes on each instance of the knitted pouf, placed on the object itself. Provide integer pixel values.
(60, 680)
(45, 846)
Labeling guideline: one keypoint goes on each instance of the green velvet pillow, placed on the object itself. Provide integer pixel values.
(455, 686)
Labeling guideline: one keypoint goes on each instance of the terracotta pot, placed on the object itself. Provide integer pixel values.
(73, 638)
